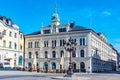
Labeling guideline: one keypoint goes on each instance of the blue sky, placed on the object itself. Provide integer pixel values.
(100, 15)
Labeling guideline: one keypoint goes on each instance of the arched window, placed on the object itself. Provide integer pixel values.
(61, 53)
(30, 55)
(82, 66)
(20, 60)
(46, 54)
(53, 66)
(54, 54)
(82, 53)
(29, 65)
(74, 65)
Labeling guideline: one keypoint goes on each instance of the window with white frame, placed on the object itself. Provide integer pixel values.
(82, 41)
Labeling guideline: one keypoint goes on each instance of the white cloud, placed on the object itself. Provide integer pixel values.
(106, 13)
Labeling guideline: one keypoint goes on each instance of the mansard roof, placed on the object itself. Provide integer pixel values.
(75, 28)
(79, 28)
(34, 33)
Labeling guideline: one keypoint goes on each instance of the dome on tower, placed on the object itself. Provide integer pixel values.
(55, 17)
(55, 20)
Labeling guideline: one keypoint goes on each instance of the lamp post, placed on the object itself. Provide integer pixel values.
(70, 47)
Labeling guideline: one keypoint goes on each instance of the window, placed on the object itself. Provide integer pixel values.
(54, 54)
(20, 47)
(36, 53)
(82, 53)
(45, 43)
(4, 32)
(46, 31)
(62, 42)
(53, 43)
(62, 29)
(36, 44)
(6, 63)
(30, 55)
(10, 44)
(74, 54)
(4, 43)
(46, 54)
(15, 35)
(29, 65)
(61, 53)
(10, 34)
(29, 44)
(21, 36)
(82, 41)
(15, 54)
(15, 46)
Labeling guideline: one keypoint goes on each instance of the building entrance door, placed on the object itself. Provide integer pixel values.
(46, 66)
(82, 67)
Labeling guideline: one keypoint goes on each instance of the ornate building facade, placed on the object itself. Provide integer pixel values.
(92, 53)
(11, 44)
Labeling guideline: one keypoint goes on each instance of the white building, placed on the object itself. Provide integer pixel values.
(11, 44)
(93, 53)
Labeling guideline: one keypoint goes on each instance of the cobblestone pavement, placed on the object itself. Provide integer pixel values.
(19, 75)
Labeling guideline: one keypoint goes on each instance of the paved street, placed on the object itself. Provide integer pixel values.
(17, 75)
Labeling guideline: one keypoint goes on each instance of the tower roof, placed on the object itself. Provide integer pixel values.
(55, 16)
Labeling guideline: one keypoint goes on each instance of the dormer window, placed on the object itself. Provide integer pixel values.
(62, 29)
(46, 31)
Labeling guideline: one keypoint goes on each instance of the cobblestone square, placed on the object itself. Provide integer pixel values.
(20, 75)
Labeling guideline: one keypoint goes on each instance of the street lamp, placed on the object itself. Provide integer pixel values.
(70, 47)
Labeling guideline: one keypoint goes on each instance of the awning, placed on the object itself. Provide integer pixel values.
(8, 59)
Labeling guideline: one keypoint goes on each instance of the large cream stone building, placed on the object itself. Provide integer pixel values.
(92, 54)
(11, 44)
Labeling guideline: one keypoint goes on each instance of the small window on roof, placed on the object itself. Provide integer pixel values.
(62, 29)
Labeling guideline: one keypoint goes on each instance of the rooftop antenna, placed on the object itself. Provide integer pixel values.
(55, 5)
